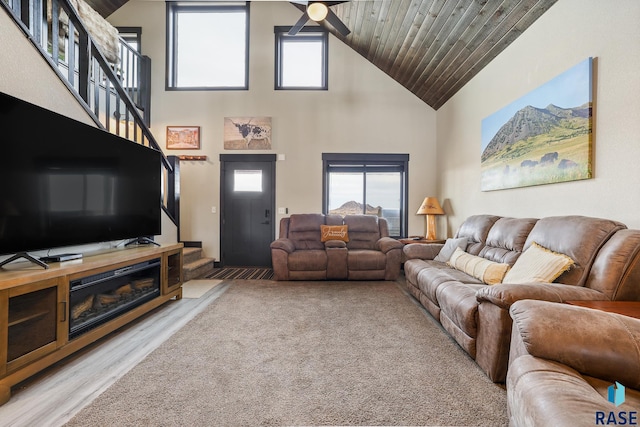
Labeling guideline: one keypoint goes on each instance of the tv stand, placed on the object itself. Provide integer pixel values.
(142, 241)
(25, 256)
(47, 315)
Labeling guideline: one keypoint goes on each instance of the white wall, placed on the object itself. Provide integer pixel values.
(363, 111)
(571, 31)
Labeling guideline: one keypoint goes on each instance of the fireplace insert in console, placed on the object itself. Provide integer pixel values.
(101, 297)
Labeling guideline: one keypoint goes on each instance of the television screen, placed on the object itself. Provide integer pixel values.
(67, 183)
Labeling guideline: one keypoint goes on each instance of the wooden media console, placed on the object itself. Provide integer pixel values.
(46, 315)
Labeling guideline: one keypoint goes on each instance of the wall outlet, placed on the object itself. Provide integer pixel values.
(282, 211)
(214, 209)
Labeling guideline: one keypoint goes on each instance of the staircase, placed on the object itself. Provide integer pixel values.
(194, 265)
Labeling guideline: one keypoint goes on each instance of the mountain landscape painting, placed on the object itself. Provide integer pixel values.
(542, 138)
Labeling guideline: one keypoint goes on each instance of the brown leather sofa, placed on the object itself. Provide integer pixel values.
(476, 315)
(370, 254)
(564, 359)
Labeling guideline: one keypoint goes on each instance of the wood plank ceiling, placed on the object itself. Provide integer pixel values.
(106, 7)
(434, 47)
(431, 47)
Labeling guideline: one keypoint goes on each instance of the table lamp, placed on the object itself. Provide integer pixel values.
(430, 207)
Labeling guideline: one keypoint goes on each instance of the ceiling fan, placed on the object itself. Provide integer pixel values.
(318, 11)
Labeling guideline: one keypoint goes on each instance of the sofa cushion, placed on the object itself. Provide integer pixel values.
(304, 230)
(436, 274)
(449, 247)
(311, 260)
(578, 237)
(506, 239)
(334, 232)
(538, 264)
(488, 271)
(364, 231)
(458, 302)
(476, 229)
(363, 259)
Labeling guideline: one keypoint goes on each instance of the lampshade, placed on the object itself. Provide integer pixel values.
(430, 206)
(317, 11)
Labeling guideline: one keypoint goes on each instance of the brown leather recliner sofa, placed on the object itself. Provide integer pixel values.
(369, 254)
(606, 266)
(564, 359)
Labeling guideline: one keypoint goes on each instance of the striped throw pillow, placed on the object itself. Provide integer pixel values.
(489, 272)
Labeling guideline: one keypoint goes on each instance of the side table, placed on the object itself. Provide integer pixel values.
(627, 308)
(409, 240)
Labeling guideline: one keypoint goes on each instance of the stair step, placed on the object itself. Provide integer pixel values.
(198, 269)
(190, 255)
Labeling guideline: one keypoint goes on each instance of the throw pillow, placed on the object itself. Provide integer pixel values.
(334, 232)
(449, 247)
(489, 272)
(538, 264)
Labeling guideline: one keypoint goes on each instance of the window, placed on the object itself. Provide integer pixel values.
(132, 36)
(247, 180)
(207, 45)
(372, 184)
(301, 60)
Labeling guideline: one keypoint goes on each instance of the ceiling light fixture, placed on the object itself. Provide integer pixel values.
(317, 11)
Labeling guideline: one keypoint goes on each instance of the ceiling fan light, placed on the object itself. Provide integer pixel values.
(317, 11)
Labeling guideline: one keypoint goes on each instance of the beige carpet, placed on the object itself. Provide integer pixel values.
(310, 353)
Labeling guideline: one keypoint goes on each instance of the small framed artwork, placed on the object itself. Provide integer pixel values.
(183, 137)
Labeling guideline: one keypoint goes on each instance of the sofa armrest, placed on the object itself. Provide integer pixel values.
(426, 251)
(284, 244)
(546, 393)
(385, 244)
(593, 342)
(505, 294)
(335, 244)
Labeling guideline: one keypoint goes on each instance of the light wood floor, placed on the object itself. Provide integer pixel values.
(54, 396)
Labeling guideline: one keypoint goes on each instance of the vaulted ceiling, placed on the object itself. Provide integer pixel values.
(431, 47)
(434, 47)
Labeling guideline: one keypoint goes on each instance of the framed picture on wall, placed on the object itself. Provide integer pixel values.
(247, 133)
(183, 137)
(545, 137)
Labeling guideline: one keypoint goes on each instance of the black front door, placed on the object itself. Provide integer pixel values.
(247, 197)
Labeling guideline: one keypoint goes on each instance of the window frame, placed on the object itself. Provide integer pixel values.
(367, 162)
(313, 33)
(171, 70)
(130, 34)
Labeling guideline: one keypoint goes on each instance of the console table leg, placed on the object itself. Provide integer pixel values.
(5, 394)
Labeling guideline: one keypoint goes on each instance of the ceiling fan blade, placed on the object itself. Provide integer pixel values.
(296, 28)
(333, 19)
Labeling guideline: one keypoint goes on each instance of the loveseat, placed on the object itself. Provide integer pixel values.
(563, 361)
(605, 265)
(359, 248)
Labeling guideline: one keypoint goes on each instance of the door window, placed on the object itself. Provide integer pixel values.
(247, 180)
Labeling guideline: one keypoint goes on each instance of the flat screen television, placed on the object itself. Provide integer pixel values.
(67, 183)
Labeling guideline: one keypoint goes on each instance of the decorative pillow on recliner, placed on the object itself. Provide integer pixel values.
(449, 247)
(334, 232)
(538, 264)
(489, 272)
